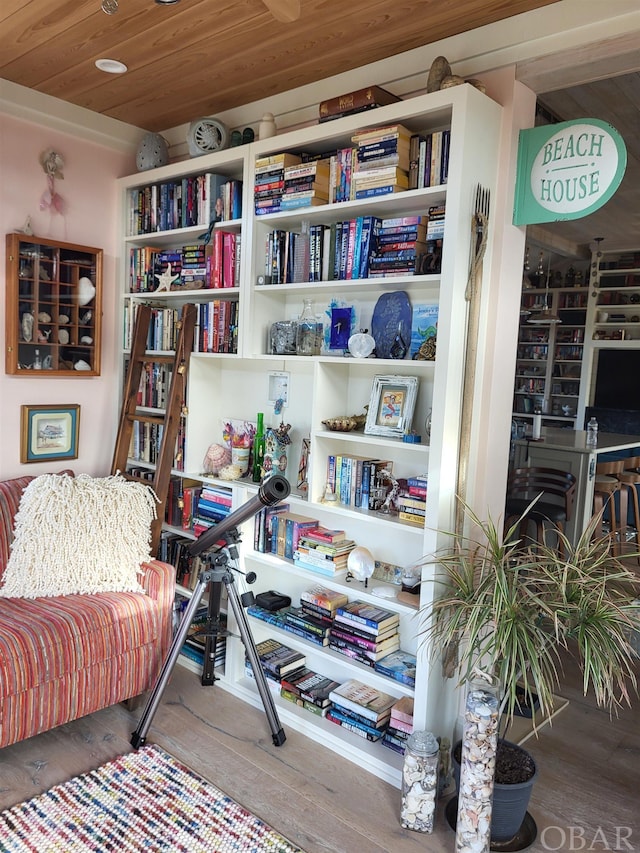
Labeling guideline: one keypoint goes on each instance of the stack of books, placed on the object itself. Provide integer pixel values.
(364, 632)
(305, 185)
(355, 102)
(277, 659)
(400, 725)
(193, 270)
(310, 626)
(412, 501)
(322, 601)
(401, 244)
(399, 665)
(382, 161)
(213, 505)
(361, 709)
(323, 551)
(269, 181)
(308, 689)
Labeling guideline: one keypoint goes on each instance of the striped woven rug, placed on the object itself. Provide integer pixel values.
(144, 801)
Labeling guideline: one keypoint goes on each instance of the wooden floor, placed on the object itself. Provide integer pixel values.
(589, 773)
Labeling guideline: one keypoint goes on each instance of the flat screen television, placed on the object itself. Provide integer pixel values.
(618, 379)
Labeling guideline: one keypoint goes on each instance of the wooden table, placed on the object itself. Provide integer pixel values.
(565, 450)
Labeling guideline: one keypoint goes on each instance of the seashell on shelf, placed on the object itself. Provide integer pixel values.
(63, 318)
(43, 317)
(216, 457)
(345, 423)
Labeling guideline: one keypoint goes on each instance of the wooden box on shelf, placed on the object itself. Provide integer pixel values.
(53, 307)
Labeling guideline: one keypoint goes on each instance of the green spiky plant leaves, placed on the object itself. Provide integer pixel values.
(513, 611)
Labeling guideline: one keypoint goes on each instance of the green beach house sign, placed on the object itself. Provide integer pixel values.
(567, 170)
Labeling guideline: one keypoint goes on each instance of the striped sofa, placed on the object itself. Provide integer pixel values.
(64, 657)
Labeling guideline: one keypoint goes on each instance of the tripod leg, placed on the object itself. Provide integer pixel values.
(211, 639)
(277, 732)
(139, 736)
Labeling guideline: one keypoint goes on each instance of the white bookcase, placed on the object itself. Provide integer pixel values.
(324, 386)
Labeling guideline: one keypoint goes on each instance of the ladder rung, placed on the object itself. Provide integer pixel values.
(135, 478)
(148, 419)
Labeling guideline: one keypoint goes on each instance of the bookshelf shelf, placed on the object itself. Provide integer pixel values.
(223, 387)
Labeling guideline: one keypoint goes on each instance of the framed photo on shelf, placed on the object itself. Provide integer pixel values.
(48, 433)
(393, 399)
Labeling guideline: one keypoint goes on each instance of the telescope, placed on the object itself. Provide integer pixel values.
(212, 545)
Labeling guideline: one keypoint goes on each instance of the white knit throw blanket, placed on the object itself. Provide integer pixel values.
(79, 535)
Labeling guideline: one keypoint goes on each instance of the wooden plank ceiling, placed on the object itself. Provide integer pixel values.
(199, 57)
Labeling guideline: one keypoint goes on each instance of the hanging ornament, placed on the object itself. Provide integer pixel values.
(52, 164)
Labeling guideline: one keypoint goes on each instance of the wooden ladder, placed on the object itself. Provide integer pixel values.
(170, 420)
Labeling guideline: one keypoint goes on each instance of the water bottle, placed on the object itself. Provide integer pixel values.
(536, 428)
(592, 433)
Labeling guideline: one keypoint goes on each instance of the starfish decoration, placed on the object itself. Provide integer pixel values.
(166, 279)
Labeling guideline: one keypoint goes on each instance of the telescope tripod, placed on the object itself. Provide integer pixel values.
(217, 572)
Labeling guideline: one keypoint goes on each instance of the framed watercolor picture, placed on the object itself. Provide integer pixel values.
(391, 406)
(49, 433)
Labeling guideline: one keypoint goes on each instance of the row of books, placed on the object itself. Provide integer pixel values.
(194, 266)
(144, 445)
(175, 550)
(355, 248)
(429, 159)
(163, 328)
(379, 163)
(365, 711)
(351, 478)
(216, 327)
(183, 203)
(155, 380)
(358, 630)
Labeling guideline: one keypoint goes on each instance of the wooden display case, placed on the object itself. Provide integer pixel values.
(53, 307)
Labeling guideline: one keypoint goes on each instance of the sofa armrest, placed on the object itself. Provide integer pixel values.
(159, 581)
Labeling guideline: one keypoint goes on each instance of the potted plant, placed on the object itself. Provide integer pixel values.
(511, 612)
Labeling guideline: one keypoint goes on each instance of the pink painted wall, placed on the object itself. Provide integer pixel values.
(90, 192)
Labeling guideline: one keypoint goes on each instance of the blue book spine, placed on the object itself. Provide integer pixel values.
(357, 249)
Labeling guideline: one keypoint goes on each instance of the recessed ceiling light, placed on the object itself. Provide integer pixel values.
(166, 2)
(111, 66)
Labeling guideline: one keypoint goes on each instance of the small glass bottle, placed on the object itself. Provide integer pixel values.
(258, 449)
(309, 331)
(37, 361)
(592, 433)
(419, 782)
